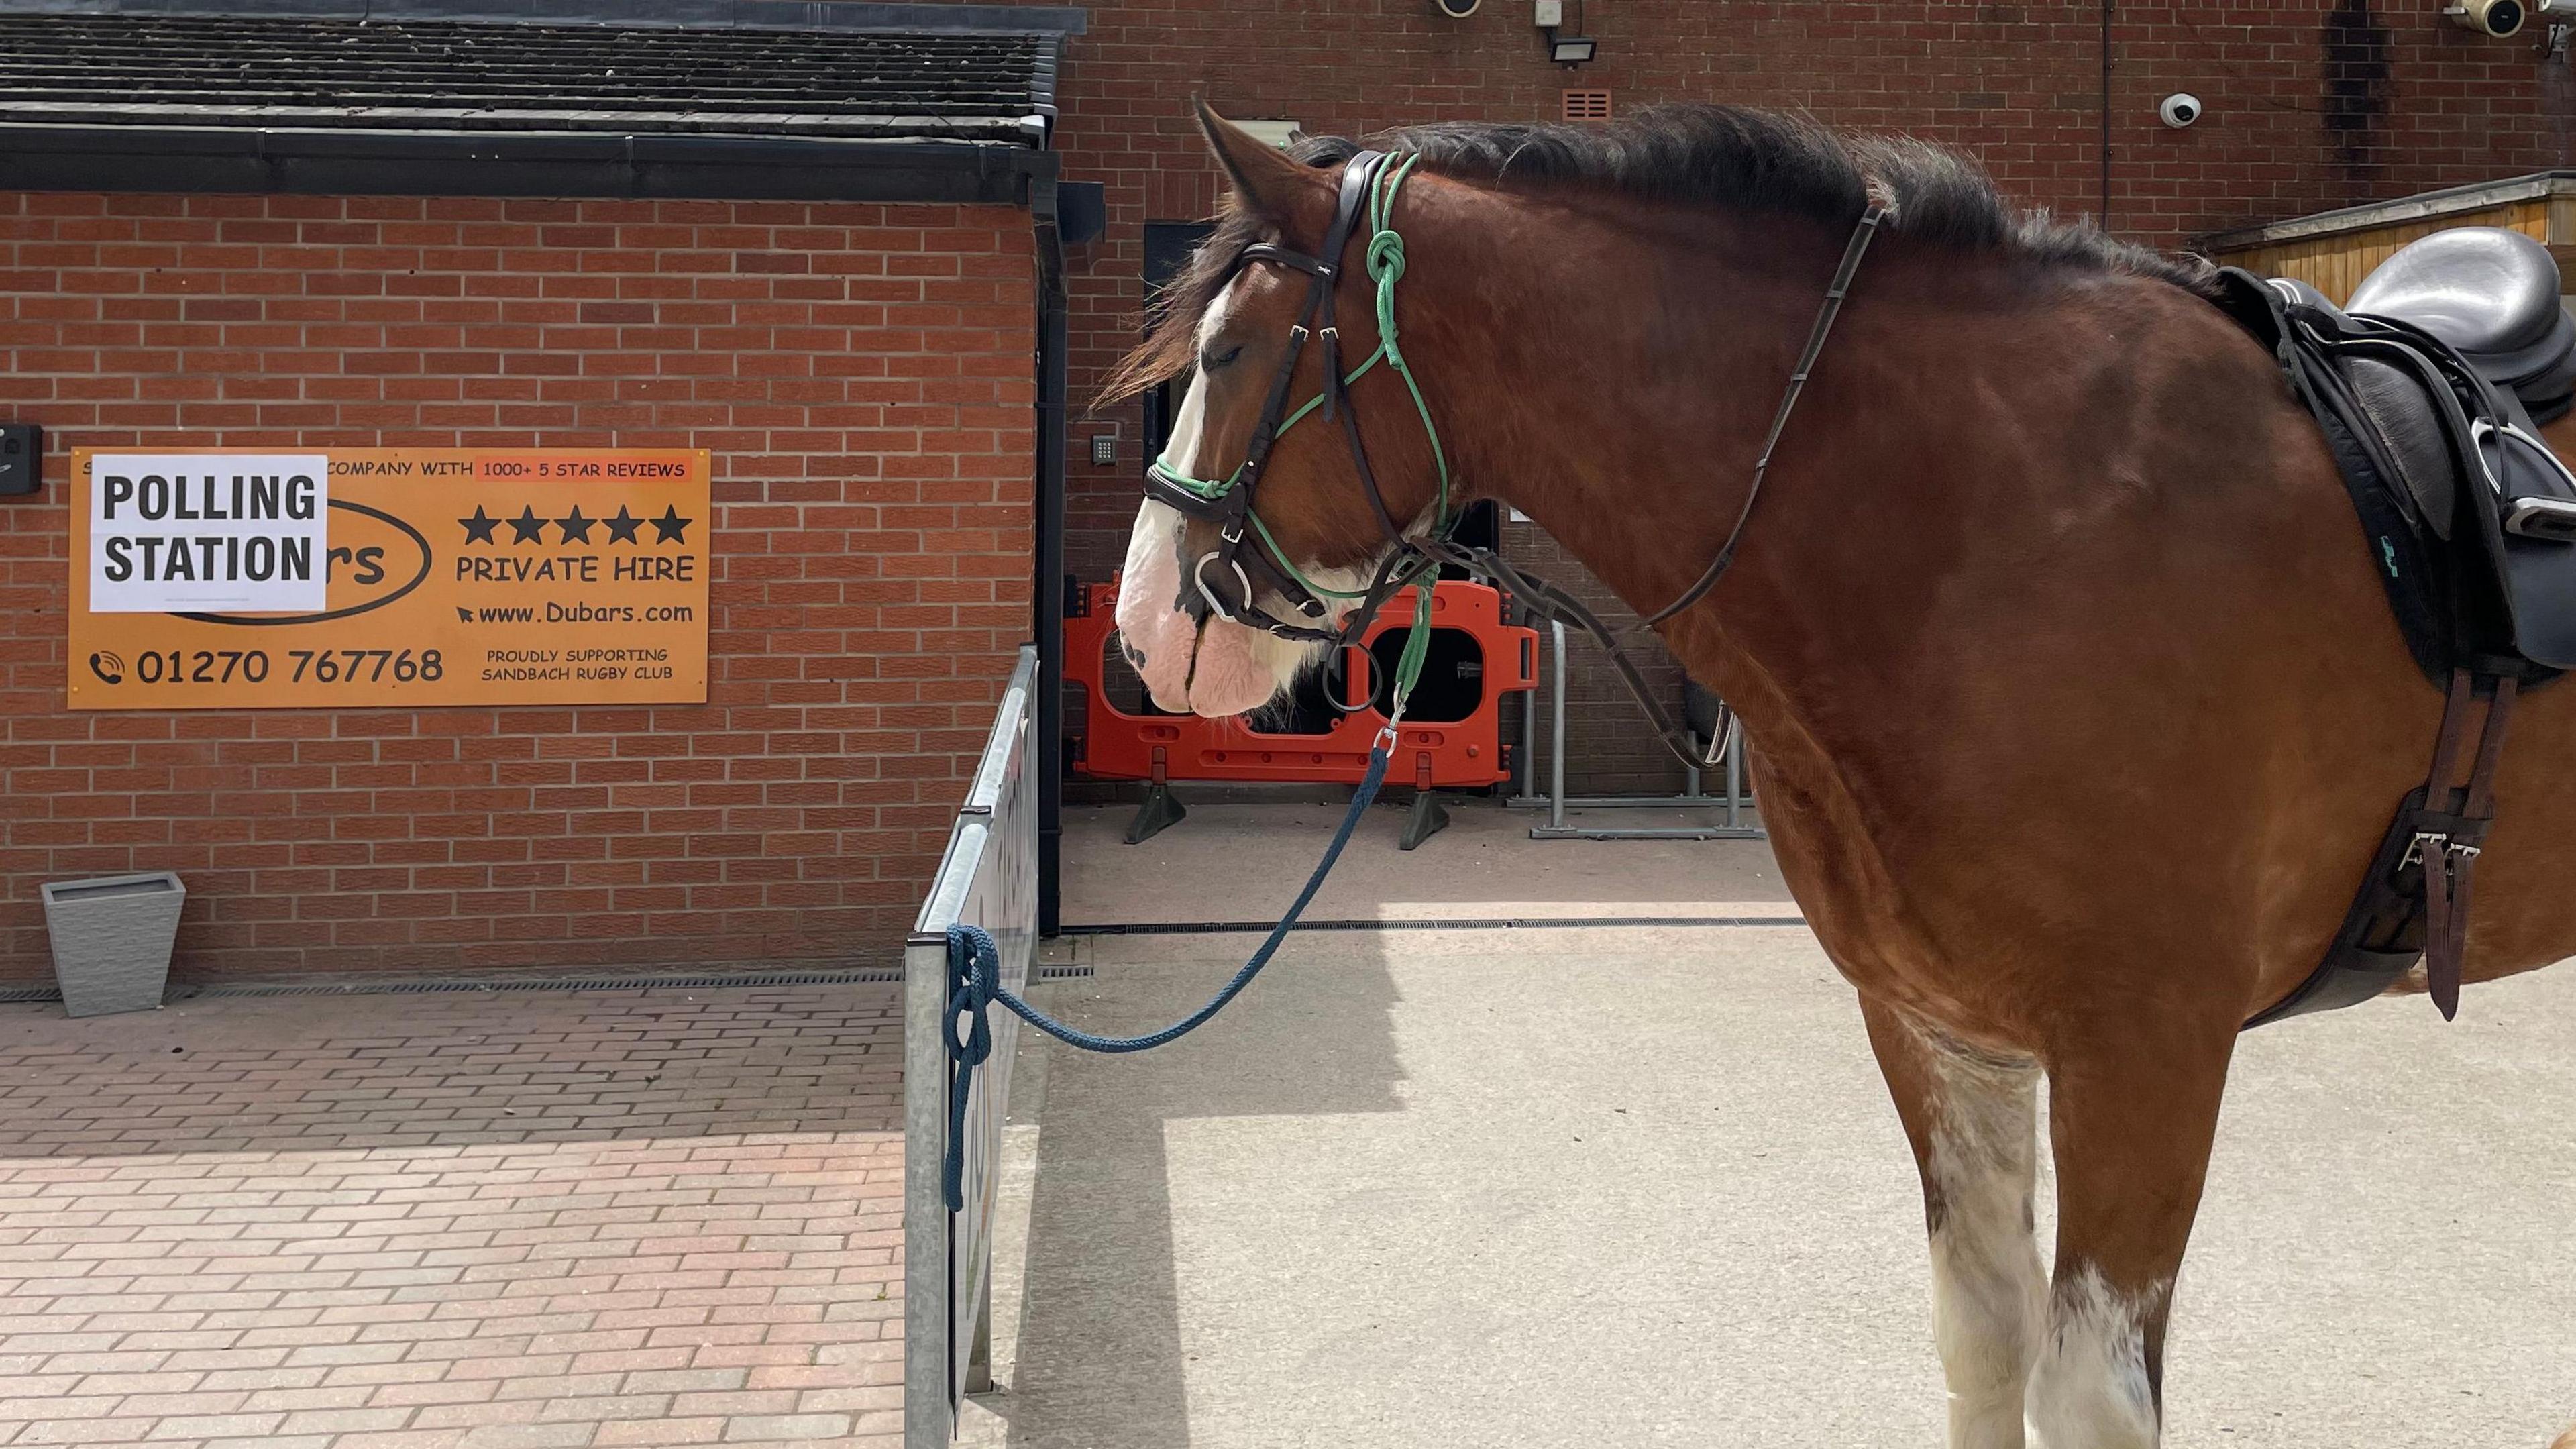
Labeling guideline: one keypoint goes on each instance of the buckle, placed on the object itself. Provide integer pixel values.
(2415, 852)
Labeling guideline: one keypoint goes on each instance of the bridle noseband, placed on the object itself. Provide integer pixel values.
(1247, 559)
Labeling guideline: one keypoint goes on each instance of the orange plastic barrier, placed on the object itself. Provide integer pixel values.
(1120, 746)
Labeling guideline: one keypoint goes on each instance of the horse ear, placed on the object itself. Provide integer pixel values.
(1271, 185)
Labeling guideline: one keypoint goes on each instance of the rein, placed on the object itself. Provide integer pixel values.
(1840, 288)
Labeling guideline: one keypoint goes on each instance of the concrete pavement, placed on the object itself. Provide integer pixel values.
(1642, 1187)
(1245, 862)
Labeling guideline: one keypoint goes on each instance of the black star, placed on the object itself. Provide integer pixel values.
(576, 529)
(666, 529)
(478, 529)
(621, 529)
(528, 526)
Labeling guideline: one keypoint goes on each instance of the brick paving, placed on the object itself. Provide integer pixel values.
(476, 1221)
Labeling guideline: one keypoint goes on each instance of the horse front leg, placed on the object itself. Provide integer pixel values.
(2132, 1108)
(1971, 1117)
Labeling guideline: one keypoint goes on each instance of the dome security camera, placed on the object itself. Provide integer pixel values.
(1456, 9)
(2494, 19)
(2179, 109)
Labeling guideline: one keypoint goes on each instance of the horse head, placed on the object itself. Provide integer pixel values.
(1283, 495)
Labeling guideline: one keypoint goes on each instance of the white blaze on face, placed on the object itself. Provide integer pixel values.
(1157, 636)
(1222, 669)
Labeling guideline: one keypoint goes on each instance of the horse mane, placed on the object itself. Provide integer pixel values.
(1731, 157)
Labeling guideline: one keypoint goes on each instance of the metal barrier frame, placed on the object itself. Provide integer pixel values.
(1453, 753)
(987, 877)
(1736, 801)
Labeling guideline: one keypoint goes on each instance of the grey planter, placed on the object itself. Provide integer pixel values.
(112, 936)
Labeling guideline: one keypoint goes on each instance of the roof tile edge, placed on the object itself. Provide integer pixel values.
(808, 15)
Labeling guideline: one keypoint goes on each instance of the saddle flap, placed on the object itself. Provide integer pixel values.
(2534, 526)
(2410, 431)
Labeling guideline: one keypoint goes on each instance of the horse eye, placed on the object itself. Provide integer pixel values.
(1214, 358)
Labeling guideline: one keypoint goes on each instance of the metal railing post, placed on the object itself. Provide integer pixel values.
(988, 878)
(1734, 771)
(927, 1421)
(1556, 726)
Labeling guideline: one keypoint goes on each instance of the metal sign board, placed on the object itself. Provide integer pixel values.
(356, 577)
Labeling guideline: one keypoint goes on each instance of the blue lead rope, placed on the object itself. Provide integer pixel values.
(974, 981)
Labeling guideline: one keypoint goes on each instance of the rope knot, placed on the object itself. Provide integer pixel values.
(1386, 255)
(1386, 264)
(974, 974)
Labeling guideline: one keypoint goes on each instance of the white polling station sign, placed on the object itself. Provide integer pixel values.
(181, 533)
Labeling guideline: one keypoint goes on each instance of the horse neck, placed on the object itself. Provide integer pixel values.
(1632, 363)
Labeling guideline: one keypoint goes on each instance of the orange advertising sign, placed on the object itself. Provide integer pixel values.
(336, 578)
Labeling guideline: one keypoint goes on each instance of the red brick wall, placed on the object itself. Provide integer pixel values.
(2310, 106)
(863, 376)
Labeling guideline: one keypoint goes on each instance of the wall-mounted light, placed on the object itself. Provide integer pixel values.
(1276, 133)
(1564, 49)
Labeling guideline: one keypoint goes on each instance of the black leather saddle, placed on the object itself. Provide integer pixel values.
(2469, 517)
(2492, 295)
(2427, 390)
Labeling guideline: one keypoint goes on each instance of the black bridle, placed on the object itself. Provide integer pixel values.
(1242, 557)
(1248, 559)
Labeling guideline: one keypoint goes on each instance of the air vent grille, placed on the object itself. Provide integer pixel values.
(1587, 105)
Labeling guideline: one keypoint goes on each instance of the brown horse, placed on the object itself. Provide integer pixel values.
(2079, 709)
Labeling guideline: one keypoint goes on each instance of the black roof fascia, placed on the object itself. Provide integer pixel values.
(826, 15)
(218, 159)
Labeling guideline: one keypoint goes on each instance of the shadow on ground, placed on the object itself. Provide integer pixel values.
(1101, 1351)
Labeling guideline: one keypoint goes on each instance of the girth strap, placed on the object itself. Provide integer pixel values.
(2448, 841)
(2413, 905)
